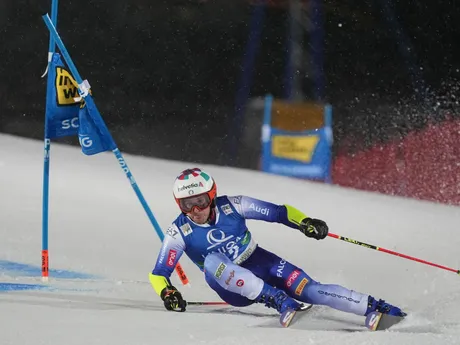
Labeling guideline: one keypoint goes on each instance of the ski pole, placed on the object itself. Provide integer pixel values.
(371, 246)
(207, 303)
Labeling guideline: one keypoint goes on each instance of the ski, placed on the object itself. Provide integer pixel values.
(377, 321)
(290, 315)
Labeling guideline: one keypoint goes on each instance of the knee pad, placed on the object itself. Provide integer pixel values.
(222, 273)
(215, 262)
(219, 269)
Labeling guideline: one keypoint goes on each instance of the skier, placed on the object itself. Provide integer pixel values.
(212, 231)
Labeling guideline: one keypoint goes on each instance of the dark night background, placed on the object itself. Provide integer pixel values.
(165, 74)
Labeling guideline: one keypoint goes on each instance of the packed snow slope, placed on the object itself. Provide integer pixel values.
(102, 247)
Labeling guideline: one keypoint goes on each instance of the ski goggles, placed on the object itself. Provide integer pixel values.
(199, 201)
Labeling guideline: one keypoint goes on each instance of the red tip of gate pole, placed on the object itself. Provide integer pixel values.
(45, 266)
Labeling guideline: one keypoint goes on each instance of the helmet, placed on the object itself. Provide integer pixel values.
(194, 188)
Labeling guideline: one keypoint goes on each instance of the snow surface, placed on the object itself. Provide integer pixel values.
(99, 229)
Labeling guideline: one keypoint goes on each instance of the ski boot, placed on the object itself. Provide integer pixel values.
(383, 307)
(277, 299)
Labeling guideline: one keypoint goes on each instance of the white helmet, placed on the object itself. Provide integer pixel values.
(194, 188)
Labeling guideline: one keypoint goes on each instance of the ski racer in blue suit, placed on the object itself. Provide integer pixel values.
(211, 230)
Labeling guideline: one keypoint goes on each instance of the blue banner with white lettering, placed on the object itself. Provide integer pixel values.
(93, 135)
(61, 107)
(67, 114)
(303, 153)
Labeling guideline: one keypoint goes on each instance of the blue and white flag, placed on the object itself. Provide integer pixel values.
(93, 135)
(68, 114)
(62, 101)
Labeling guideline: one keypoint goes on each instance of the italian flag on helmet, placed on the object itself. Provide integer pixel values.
(194, 182)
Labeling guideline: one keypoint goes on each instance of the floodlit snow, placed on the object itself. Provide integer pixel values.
(100, 232)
